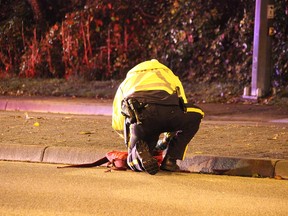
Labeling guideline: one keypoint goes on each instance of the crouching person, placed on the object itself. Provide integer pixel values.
(151, 101)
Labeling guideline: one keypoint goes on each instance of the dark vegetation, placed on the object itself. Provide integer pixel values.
(81, 43)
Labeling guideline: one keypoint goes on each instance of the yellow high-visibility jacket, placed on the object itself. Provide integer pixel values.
(146, 76)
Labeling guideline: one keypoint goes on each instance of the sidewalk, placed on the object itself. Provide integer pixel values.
(216, 115)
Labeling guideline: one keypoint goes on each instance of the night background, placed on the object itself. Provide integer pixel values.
(73, 45)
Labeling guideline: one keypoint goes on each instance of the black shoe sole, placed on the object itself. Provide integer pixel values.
(149, 163)
(170, 169)
(169, 165)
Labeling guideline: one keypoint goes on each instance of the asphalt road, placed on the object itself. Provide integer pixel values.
(42, 189)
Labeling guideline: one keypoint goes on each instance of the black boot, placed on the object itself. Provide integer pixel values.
(148, 162)
(169, 164)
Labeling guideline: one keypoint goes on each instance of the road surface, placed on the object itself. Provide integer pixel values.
(42, 189)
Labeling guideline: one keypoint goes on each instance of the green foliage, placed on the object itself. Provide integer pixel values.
(204, 41)
(207, 41)
(58, 87)
(280, 44)
(12, 28)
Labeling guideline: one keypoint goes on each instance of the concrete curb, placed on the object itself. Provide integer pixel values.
(68, 155)
(252, 167)
(22, 153)
(247, 167)
(281, 169)
(49, 154)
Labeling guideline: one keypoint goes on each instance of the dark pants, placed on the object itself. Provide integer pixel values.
(157, 119)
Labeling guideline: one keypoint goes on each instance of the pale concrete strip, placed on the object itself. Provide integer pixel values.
(230, 166)
(3, 104)
(281, 169)
(285, 120)
(67, 155)
(29, 153)
(57, 107)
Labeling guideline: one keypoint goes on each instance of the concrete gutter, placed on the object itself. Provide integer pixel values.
(250, 167)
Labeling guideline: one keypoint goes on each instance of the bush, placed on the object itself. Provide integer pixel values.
(210, 41)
